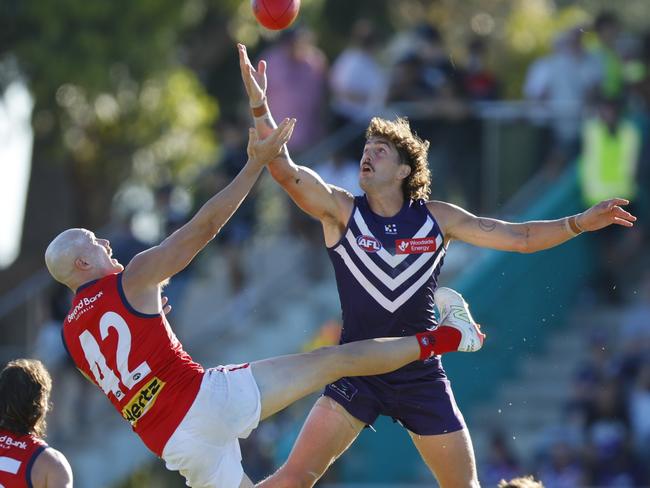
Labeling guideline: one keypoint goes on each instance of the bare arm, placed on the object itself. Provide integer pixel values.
(51, 470)
(305, 187)
(526, 237)
(157, 264)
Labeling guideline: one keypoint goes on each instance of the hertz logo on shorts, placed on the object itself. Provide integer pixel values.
(142, 401)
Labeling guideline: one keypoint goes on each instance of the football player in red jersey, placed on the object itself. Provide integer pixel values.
(25, 458)
(118, 337)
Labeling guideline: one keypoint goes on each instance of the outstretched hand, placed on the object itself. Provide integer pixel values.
(605, 213)
(254, 79)
(264, 151)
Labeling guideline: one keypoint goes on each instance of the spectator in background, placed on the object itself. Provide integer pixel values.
(357, 80)
(239, 230)
(607, 28)
(70, 391)
(639, 104)
(611, 150)
(358, 84)
(562, 467)
(342, 171)
(126, 244)
(296, 61)
(407, 81)
(429, 89)
(424, 74)
(479, 82)
(640, 409)
(501, 462)
(607, 433)
(635, 334)
(565, 96)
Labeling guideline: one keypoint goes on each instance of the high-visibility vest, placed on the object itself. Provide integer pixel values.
(607, 168)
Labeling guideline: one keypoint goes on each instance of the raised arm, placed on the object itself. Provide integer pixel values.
(305, 187)
(526, 237)
(157, 264)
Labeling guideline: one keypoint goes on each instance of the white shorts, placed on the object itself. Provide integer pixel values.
(204, 448)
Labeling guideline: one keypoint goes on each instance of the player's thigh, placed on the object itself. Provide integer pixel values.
(450, 457)
(285, 379)
(328, 431)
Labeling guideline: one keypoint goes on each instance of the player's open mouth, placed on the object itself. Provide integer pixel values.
(366, 168)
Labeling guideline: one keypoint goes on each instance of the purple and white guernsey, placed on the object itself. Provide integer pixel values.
(386, 272)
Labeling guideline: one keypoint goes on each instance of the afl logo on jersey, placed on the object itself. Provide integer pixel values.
(368, 243)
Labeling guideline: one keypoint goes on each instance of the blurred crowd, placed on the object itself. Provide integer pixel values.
(589, 98)
(603, 437)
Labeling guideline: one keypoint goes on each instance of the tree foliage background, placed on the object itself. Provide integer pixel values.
(129, 90)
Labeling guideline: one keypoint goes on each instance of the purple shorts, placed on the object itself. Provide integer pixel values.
(425, 407)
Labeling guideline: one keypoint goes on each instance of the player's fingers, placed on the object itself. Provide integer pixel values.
(164, 300)
(283, 132)
(621, 212)
(623, 222)
(261, 67)
(244, 62)
(286, 132)
(167, 309)
(252, 135)
(616, 201)
(277, 133)
(290, 127)
(241, 50)
(286, 128)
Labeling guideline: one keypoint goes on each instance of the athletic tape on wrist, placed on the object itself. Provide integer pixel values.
(260, 111)
(568, 228)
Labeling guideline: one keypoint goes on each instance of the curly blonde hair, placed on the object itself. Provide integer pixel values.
(523, 482)
(412, 151)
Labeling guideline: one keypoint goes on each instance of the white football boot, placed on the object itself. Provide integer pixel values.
(454, 312)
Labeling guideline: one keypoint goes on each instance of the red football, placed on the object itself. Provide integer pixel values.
(275, 14)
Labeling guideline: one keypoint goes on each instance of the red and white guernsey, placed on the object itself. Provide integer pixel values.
(135, 358)
(17, 455)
